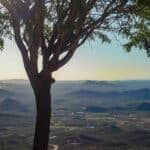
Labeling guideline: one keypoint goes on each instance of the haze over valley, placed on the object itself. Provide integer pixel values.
(116, 115)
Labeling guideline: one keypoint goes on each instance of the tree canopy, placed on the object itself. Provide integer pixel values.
(56, 28)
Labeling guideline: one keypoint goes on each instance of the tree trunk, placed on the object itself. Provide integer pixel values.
(43, 105)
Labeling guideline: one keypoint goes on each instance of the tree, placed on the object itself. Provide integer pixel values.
(139, 34)
(55, 29)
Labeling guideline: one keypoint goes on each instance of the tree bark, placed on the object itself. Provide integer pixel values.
(43, 117)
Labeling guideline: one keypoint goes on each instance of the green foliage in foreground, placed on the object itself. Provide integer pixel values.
(131, 19)
(139, 34)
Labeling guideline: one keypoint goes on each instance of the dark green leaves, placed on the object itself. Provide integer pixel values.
(5, 27)
(103, 37)
(69, 19)
(139, 36)
(1, 44)
(139, 39)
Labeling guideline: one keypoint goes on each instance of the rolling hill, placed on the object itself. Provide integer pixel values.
(12, 105)
(139, 94)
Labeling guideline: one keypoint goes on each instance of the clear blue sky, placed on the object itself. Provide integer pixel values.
(93, 61)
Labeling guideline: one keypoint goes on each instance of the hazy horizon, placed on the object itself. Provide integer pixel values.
(81, 80)
(93, 61)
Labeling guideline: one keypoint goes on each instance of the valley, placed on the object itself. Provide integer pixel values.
(81, 121)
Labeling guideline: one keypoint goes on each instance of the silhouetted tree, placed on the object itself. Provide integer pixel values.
(55, 29)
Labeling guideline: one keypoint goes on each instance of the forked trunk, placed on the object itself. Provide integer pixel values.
(43, 104)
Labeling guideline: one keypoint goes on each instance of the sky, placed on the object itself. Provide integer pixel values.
(92, 61)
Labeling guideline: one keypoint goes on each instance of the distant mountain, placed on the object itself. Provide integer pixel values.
(96, 109)
(12, 105)
(139, 94)
(15, 81)
(88, 92)
(136, 107)
(143, 107)
(85, 93)
(5, 93)
(98, 83)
